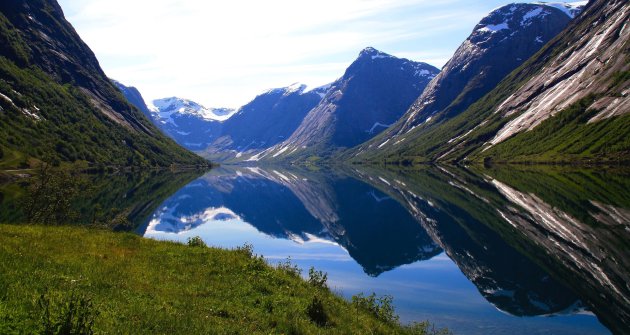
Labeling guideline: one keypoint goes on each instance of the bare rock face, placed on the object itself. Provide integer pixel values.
(595, 53)
(54, 46)
(500, 43)
(134, 97)
(57, 82)
(373, 93)
(267, 120)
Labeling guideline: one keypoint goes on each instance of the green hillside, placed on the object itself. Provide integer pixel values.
(565, 137)
(108, 283)
(57, 105)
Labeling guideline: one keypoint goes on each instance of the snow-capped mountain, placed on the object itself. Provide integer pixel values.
(190, 124)
(572, 9)
(267, 120)
(567, 103)
(501, 42)
(373, 93)
(169, 108)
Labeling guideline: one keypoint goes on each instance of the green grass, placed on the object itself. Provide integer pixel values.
(564, 138)
(127, 284)
(568, 138)
(69, 127)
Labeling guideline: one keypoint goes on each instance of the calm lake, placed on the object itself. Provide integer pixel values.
(488, 251)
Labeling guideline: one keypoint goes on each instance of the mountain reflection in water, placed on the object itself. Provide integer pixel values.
(532, 242)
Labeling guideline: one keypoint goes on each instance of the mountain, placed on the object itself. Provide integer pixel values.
(134, 97)
(170, 108)
(568, 103)
(190, 124)
(302, 206)
(499, 43)
(372, 94)
(458, 220)
(56, 104)
(534, 240)
(267, 120)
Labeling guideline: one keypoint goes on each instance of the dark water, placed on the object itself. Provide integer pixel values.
(492, 251)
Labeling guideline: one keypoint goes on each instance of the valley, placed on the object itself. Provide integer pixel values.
(486, 195)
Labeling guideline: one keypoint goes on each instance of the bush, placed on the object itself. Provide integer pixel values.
(317, 278)
(290, 268)
(51, 194)
(72, 316)
(382, 308)
(247, 249)
(196, 241)
(316, 313)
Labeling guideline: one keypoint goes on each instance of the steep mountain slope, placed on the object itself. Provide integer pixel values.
(187, 122)
(501, 42)
(567, 103)
(372, 94)
(267, 120)
(134, 97)
(564, 228)
(58, 105)
(190, 124)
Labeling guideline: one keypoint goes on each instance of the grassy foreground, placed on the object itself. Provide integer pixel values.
(56, 277)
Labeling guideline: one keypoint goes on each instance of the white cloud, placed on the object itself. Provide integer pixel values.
(224, 53)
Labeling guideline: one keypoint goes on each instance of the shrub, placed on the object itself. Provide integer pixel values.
(51, 194)
(73, 315)
(317, 278)
(290, 268)
(382, 307)
(316, 313)
(247, 249)
(196, 241)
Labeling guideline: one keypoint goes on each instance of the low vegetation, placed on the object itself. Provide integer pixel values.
(73, 280)
(68, 129)
(568, 138)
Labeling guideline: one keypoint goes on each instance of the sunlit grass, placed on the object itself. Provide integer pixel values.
(141, 286)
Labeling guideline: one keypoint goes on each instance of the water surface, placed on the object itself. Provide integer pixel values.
(493, 251)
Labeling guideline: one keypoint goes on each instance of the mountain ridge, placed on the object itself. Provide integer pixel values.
(58, 105)
(511, 33)
(373, 92)
(567, 131)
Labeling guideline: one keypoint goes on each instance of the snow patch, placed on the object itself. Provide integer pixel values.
(571, 9)
(527, 18)
(283, 150)
(492, 28)
(375, 125)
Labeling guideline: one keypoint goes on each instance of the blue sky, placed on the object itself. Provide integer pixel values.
(224, 53)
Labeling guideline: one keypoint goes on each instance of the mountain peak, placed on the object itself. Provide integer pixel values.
(373, 54)
(293, 88)
(571, 9)
(512, 15)
(168, 107)
(505, 22)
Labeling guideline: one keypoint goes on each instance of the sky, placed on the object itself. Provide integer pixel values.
(224, 53)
